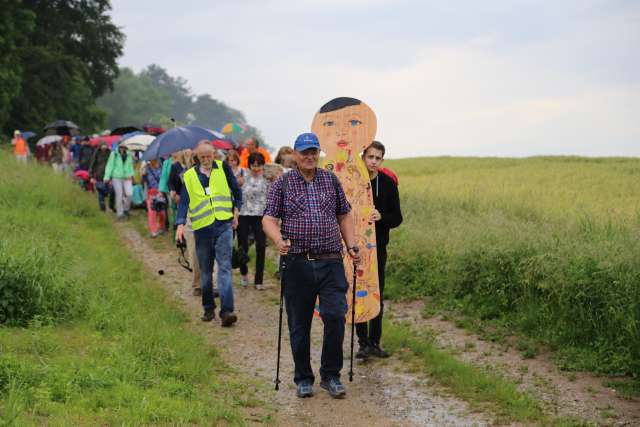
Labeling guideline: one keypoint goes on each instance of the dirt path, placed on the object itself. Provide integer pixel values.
(580, 395)
(381, 395)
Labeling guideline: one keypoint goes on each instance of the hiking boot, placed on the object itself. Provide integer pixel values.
(376, 351)
(334, 387)
(228, 319)
(259, 287)
(197, 292)
(363, 352)
(208, 316)
(304, 389)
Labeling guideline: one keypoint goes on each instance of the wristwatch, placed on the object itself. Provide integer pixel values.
(355, 249)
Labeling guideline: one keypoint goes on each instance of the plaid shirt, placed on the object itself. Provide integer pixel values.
(309, 211)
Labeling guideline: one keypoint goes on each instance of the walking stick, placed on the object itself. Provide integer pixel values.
(353, 320)
(282, 269)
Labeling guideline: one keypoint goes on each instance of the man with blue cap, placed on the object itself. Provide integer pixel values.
(315, 218)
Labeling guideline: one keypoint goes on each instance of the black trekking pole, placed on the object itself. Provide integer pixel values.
(282, 269)
(353, 319)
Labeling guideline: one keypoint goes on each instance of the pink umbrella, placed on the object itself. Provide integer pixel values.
(221, 144)
(110, 139)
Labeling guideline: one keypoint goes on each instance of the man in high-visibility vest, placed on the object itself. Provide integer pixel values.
(212, 199)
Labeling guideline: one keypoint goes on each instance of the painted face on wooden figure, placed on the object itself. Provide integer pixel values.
(344, 124)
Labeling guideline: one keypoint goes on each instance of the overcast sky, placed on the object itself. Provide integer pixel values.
(487, 78)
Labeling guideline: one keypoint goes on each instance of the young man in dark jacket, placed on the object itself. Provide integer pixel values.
(387, 215)
(97, 167)
(85, 154)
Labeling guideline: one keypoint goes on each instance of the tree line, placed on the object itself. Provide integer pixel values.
(152, 95)
(59, 61)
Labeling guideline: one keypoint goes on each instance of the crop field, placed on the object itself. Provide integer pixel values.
(546, 246)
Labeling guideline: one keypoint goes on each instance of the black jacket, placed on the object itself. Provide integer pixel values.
(84, 157)
(99, 164)
(387, 201)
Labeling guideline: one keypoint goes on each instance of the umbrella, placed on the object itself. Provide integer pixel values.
(176, 139)
(125, 129)
(233, 128)
(62, 127)
(222, 144)
(28, 134)
(137, 141)
(109, 139)
(48, 140)
(153, 129)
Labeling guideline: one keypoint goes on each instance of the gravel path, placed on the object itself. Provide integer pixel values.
(380, 395)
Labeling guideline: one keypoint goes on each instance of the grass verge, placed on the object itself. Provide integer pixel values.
(125, 354)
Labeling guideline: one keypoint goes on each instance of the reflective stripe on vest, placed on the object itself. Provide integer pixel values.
(205, 209)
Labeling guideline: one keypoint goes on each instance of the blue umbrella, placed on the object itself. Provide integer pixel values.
(176, 139)
(28, 134)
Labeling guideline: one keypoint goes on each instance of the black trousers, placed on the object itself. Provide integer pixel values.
(370, 332)
(246, 224)
(305, 280)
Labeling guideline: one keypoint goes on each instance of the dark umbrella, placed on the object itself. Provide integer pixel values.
(125, 129)
(176, 139)
(62, 127)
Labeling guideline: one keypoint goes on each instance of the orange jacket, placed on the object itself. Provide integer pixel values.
(20, 147)
(244, 157)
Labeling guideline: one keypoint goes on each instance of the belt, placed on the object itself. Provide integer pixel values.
(313, 257)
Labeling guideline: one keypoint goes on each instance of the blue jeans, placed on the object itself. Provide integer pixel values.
(210, 247)
(305, 280)
(105, 190)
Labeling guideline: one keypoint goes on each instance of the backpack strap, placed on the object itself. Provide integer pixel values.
(285, 185)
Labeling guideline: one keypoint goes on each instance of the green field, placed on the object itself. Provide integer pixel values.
(548, 247)
(87, 337)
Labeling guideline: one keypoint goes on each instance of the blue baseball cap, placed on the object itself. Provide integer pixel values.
(305, 141)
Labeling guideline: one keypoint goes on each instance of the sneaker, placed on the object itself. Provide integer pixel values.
(363, 352)
(228, 319)
(197, 292)
(244, 282)
(127, 213)
(259, 287)
(376, 351)
(304, 389)
(334, 387)
(208, 316)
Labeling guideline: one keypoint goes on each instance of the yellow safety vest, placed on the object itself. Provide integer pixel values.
(204, 208)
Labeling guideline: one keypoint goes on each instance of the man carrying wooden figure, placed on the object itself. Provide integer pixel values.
(386, 215)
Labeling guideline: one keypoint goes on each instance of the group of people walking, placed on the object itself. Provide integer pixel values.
(216, 198)
(305, 212)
